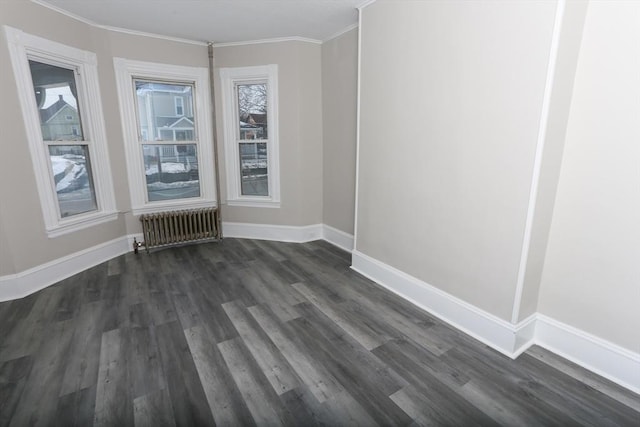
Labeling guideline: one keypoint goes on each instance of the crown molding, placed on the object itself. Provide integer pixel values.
(116, 29)
(274, 40)
(341, 32)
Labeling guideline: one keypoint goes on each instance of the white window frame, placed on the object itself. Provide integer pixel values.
(230, 77)
(24, 47)
(126, 71)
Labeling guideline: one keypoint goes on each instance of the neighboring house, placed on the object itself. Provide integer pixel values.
(253, 126)
(165, 112)
(60, 122)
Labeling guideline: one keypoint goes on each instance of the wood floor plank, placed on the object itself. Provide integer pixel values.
(584, 376)
(245, 332)
(261, 399)
(146, 375)
(319, 381)
(13, 377)
(153, 410)
(77, 409)
(190, 406)
(275, 367)
(264, 294)
(358, 331)
(363, 376)
(224, 398)
(37, 405)
(83, 363)
(113, 398)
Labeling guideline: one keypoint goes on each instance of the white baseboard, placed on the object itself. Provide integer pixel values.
(615, 363)
(20, 285)
(337, 237)
(602, 357)
(609, 360)
(281, 233)
(485, 327)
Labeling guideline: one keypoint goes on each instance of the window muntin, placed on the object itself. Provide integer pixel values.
(249, 97)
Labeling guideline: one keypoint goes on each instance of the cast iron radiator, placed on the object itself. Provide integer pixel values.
(178, 227)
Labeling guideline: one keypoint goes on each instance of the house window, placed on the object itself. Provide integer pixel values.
(179, 104)
(166, 120)
(60, 102)
(250, 108)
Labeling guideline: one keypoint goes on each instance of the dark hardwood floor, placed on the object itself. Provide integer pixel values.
(249, 332)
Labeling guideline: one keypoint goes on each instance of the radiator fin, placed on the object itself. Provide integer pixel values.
(177, 227)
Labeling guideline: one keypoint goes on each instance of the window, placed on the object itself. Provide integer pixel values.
(250, 108)
(166, 123)
(179, 103)
(60, 102)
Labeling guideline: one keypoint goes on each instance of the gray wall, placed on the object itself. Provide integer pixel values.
(339, 109)
(591, 277)
(451, 96)
(300, 130)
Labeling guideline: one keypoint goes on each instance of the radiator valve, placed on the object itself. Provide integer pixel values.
(136, 245)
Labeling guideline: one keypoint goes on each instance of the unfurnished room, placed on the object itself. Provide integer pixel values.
(320, 212)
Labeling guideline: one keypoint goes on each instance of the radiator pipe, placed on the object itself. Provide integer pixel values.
(215, 140)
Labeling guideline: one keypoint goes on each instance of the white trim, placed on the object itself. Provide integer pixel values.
(20, 285)
(358, 111)
(341, 32)
(273, 40)
(126, 70)
(22, 47)
(609, 360)
(600, 356)
(485, 327)
(365, 4)
(337, 237)
(229, 78)
(281, 233)
(115, 29)
(537, 163)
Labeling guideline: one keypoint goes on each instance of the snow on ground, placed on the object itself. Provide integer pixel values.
(254, 164)
(168, 167)
(167, 185)
(75, 173)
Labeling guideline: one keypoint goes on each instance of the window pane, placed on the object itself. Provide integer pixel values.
(252, 111)
(72, 176)
(57, 100)
(171, 171)
(253, 166)
(165, 111)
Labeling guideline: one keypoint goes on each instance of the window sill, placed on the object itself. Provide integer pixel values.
(81, 222)
(254, 203)
(177, 205)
